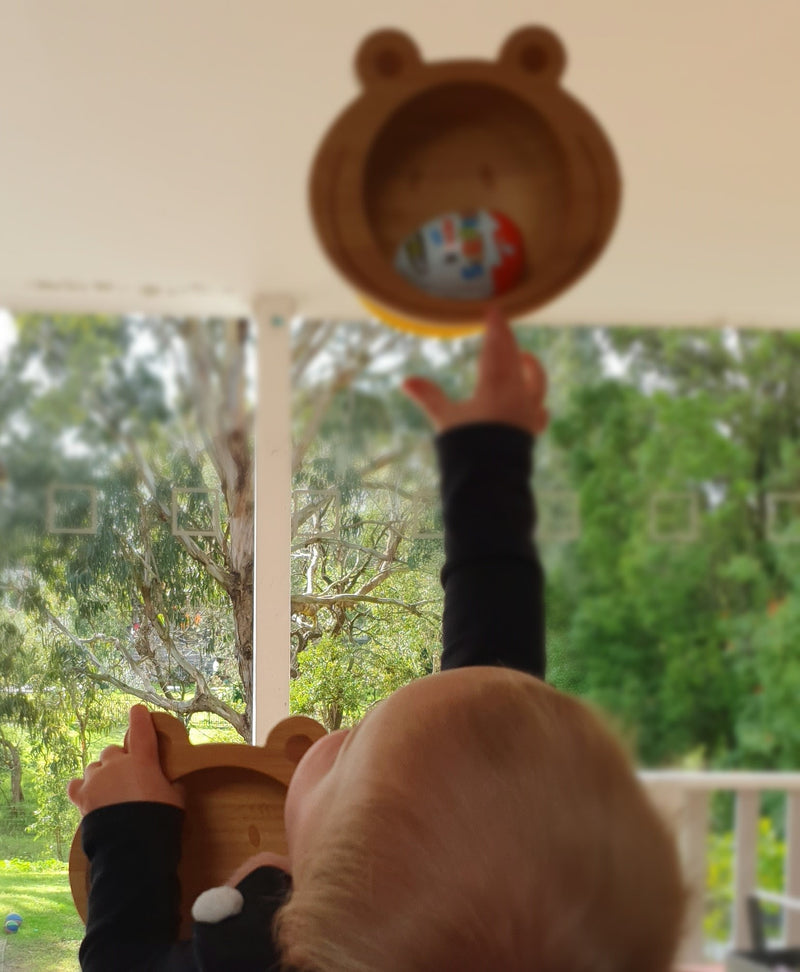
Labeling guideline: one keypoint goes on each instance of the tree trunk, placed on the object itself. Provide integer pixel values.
(242, 601)
(17, 795)
(14, 764)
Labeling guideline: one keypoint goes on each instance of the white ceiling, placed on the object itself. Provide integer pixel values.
(154, 154)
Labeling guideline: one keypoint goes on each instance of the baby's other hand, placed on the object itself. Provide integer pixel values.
(511, 387)
(126, 774)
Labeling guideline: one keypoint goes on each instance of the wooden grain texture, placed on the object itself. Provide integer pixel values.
(424, 139)
(234, 804)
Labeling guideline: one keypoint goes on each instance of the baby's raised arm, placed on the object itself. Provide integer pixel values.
(492, 578)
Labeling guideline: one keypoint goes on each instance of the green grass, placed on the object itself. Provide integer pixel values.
(51, 929)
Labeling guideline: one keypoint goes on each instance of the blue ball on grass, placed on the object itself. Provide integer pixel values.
(12, 923)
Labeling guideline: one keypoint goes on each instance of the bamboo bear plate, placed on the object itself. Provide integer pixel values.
(234, 804)
(448, 185)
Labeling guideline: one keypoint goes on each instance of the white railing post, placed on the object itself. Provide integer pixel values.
(695, 863)
(745, 858)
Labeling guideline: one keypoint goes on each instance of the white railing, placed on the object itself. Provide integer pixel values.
(684, 798)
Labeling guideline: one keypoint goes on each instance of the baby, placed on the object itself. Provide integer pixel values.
(475, 820)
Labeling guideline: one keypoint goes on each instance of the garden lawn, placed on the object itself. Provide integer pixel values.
(51, 929)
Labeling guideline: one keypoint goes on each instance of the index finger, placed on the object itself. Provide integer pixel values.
(141, 739)
(500, 353)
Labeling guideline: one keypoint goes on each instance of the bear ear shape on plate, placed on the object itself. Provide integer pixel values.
(386, 55)
(535, 51)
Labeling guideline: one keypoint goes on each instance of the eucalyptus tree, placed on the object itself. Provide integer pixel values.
(127, 504)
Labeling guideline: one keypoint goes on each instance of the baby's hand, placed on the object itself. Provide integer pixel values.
(511, 387)
(126, 774)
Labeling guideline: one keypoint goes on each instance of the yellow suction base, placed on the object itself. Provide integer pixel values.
(420, 328)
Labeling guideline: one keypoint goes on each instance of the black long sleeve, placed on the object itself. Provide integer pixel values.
(493, 581)
(134, 899)
(133, 850)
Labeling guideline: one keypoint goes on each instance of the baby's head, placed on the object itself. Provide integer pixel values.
(477, 819)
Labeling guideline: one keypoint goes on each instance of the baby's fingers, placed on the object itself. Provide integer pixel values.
(534, 374)
(74, 788)
(430, 398)
(540, 421)
(500, 354)
(535, 378)
(141, 740)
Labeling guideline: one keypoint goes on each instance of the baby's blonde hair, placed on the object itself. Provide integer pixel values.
(525, 844)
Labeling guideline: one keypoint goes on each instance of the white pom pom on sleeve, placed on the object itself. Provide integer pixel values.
(217, 904)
